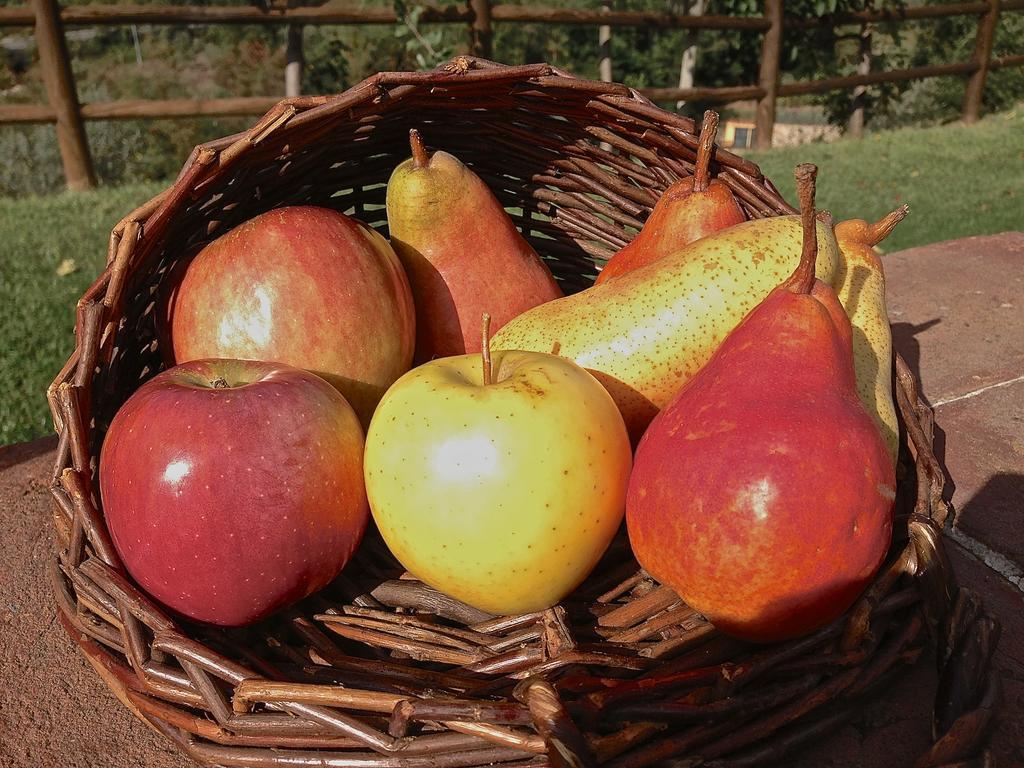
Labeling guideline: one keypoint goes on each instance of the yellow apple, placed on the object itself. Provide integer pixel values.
(503, 494)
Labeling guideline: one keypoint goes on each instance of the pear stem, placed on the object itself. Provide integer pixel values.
(882, 228)
(485, 348)
(556, 348)
(420, 158)
(802, 279)
(825, 217)
(705, 148)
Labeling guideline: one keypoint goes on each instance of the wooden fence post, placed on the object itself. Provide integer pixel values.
(60, 91)
(982, 55)
(480, 34)
(771, 50)
(855, 124)
(293, 62)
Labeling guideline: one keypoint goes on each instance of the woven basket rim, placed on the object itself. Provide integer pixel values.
(169, 679)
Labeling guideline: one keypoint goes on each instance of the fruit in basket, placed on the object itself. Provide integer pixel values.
(860, 284)
(763, 492)
(648, 331)
(463, 254)
(232, 488)
(502, 482)
(690, 209)
(305, 286)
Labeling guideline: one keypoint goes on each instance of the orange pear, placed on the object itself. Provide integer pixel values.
(688, 210)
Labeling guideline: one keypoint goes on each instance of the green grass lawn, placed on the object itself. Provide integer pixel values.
(959, 180)
(37, 305)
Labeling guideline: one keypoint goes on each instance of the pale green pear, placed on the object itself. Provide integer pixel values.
(860, 284)
(647, 332)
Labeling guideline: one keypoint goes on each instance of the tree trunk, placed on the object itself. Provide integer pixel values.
(480, 34)
(293, 62)
(604, 46)
(689, 58)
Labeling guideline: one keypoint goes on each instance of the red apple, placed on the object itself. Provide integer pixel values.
(232, 488)
(305, 286)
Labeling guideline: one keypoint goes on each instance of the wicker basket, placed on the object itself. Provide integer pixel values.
(379, 670)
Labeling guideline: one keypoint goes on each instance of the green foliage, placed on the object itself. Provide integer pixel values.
(811, 54)
(32, 163)
(429, 47)
(176, 62)
(952, 40)
(196, 61)
(326, 67)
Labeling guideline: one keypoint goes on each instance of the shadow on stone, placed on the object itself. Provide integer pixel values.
(1002, 497)
(905, 342)
(16, 454)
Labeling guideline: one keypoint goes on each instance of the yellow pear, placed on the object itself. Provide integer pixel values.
(860, 284)
(648, 331)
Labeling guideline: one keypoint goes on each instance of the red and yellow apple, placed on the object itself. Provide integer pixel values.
(502, 494)
(232, 488)
(305, 286)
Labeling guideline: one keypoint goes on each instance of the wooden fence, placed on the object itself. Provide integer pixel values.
(478, 16)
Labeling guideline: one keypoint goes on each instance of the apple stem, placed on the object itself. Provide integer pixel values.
(220, 383)
(705, 148)
(420, 158)
(802, 278)
(882, 228)
(485, 348)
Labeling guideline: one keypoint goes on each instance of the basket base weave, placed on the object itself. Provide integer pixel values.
(639, 677)
(379, 671)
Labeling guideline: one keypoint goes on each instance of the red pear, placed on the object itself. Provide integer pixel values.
(690, 209)
(462, 252)
(763, 492)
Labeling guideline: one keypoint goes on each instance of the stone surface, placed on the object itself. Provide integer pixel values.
(59, 712)
(984, 449)
(1006, 604)
(950, 323)
(895, 729)
(960, 306)
(54, 709)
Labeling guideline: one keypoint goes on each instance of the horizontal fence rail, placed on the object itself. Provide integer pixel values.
(478, 15)
(345, 13)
